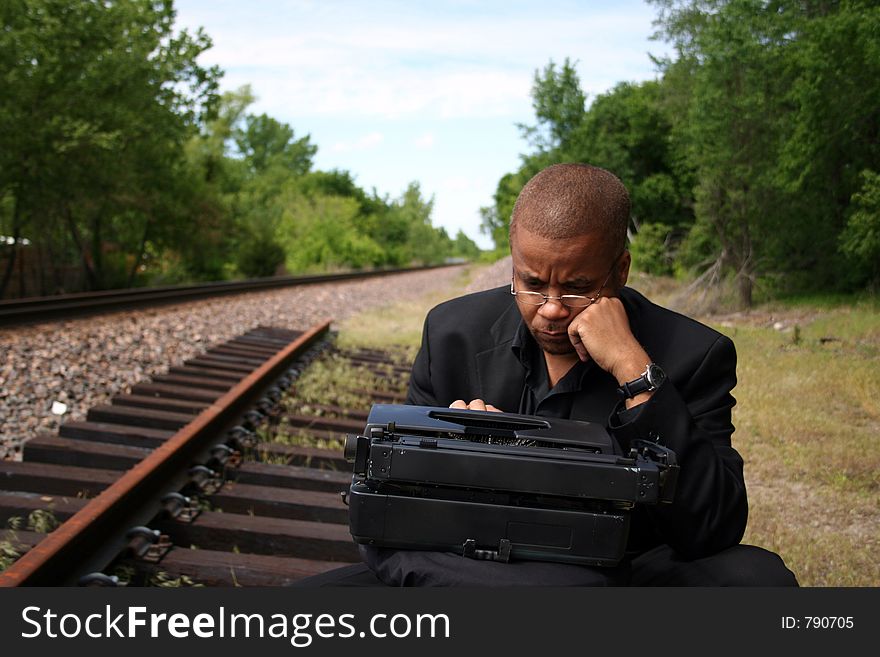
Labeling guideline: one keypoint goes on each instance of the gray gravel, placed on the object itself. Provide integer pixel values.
(82, 363)
(494, 275)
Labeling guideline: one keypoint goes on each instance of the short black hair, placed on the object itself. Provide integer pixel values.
(567, 200)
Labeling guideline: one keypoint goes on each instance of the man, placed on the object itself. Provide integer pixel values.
(568, 339)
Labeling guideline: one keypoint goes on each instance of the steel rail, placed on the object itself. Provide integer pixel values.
(39, 309)
(82, 543)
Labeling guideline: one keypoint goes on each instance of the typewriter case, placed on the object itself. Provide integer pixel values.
(498, 485)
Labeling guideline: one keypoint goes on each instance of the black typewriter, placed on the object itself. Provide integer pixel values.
(499, 486)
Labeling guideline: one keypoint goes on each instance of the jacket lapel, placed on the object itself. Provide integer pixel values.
(500, 375)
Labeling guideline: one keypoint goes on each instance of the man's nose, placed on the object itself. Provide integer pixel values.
(552, 309)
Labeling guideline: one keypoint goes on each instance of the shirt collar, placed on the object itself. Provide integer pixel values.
(526, 350)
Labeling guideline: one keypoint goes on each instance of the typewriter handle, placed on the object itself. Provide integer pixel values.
(667, 461)
(655, 452)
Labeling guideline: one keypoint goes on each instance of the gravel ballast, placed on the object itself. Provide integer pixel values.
(74, 365)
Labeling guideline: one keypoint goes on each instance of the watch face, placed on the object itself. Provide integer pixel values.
(655, 375)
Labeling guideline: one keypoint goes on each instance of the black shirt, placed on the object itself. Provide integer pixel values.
(538, 398)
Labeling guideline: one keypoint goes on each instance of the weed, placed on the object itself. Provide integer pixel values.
(42, 521)
(124, 573)
(9, 554)
(164, 580)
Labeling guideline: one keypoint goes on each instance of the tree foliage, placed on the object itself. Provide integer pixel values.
(860, 239)
(98, 100)
(627, 131)
(121, 164)
(783, 113)
(754, 153)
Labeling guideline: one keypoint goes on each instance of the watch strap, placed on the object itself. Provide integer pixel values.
(630, 389)
(635, 387)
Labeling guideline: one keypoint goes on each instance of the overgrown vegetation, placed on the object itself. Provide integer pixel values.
(331, 383)
(164, 580)
(42, 521)
(9, 553)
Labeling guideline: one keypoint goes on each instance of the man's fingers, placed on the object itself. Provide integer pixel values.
(475, 405)
(577, 343)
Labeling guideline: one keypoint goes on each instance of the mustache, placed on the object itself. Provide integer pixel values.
(554, 328)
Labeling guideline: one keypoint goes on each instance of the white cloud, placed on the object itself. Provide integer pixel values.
(394, 60)
(424, 85)
(388, 94)
(425, 141)
(368, 141)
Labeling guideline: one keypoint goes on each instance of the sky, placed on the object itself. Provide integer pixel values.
(432, 92)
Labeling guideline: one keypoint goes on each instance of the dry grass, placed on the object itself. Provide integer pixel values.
(808, 419)
(332, 380)
(398, 325)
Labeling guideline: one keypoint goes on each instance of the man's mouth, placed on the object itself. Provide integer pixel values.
(554, 340)
(554, 334)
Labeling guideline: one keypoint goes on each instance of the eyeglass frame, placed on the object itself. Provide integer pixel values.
(561, 299)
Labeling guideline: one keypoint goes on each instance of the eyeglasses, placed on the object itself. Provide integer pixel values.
(567, 300)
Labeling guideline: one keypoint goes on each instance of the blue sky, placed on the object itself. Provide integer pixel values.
(426, 91)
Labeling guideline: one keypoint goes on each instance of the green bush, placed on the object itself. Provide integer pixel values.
(860, 240)
(259, 257)
(651, 249)
(698, 250)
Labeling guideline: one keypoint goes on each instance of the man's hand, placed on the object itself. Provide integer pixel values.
(475, 405)
(602, 332)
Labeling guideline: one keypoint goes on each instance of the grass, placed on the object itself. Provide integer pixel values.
(398, 325)
(38, 520)
(9, 553)
(333, 380)
(808, 420)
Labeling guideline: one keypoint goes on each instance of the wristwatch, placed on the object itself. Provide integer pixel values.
(649, 381)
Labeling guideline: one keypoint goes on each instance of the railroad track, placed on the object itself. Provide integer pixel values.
(64, 306)
(218, 473)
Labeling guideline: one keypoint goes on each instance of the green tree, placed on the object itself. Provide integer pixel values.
(98, 99)
(627, 131)
(320, 233)
(464, 247)
(778, 106)
(558, 101)
(860, 240)
(265, 142)
(424, 243)
(832, 136)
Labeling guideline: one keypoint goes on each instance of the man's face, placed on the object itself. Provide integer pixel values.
(578, 265)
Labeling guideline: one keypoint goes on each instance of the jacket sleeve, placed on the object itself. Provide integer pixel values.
(421, 390)
(692, 417)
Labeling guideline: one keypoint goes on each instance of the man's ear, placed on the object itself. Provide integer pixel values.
(623, 268)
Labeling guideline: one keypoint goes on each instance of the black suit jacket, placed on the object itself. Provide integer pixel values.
(466, 354)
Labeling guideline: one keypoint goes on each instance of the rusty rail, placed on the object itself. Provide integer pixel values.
(92, 535)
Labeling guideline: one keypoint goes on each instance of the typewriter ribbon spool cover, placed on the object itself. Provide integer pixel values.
(499, 486)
